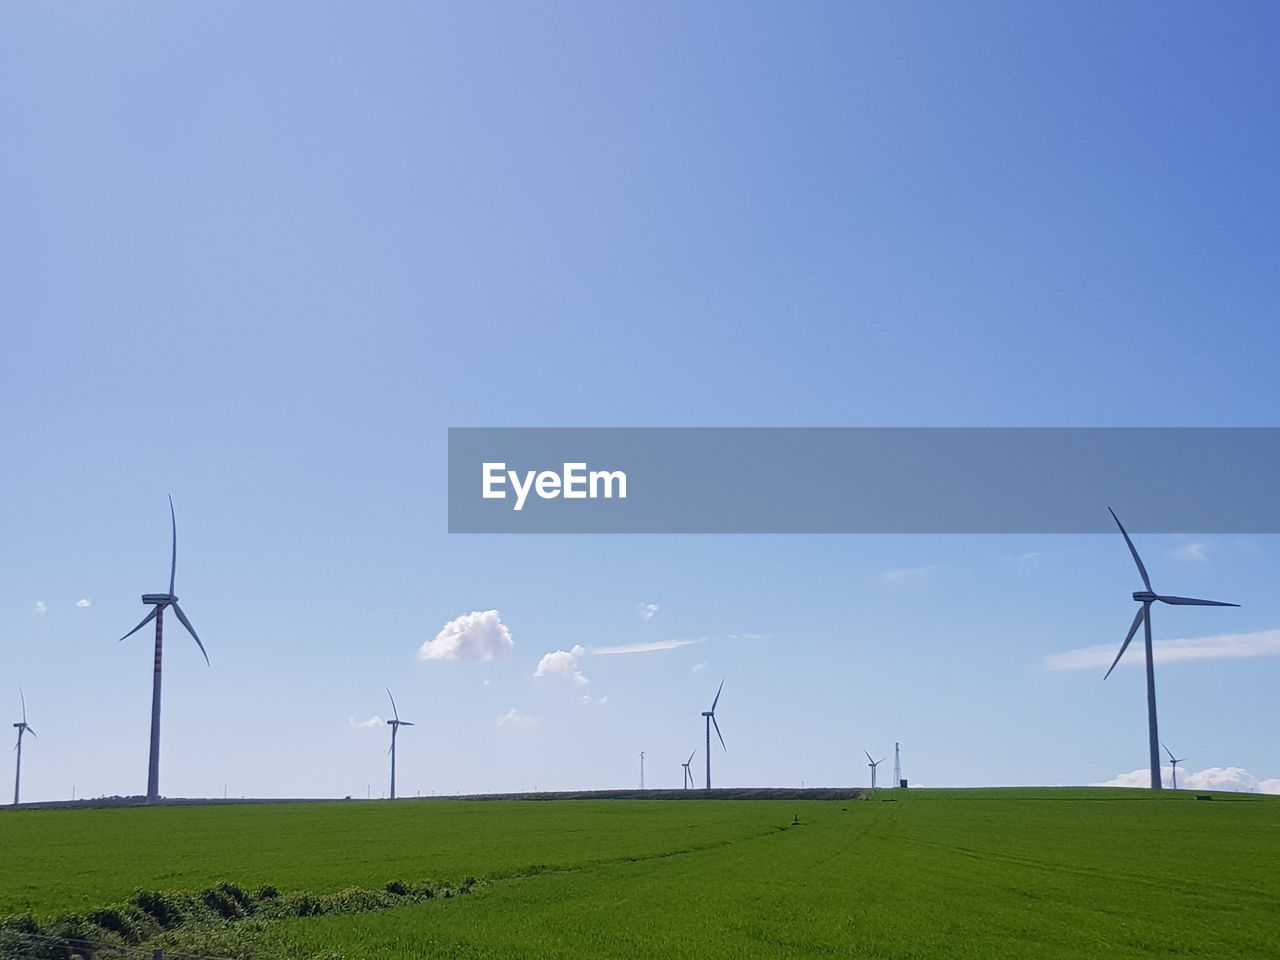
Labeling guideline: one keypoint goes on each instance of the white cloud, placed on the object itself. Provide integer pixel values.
(84, 602)
(514, 718)
(478, 635)
(644, 647)
(1235, 779)
(698, 667)
(1226, 646)
(374, 721)
(751, 636)
(1030, 556)
(586, 698)
(40, 609)
(907, 575)
(648, 611)
(1191, 550)
(562, 663)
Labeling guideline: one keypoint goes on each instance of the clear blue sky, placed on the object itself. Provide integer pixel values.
(263, 257)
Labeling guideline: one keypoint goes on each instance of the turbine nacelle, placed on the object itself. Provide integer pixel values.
(1144, 596)
(159, 599)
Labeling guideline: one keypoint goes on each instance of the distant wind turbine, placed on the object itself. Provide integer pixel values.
(1143, 618)
(710, 716)
(23, 727)
(688, 774)
(159, 601)
(1174, 761)
(395, 726)
(873, 764)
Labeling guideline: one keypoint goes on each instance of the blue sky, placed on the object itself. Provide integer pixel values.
(264, 258)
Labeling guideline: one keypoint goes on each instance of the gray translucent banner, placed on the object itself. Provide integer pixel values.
(864, 480)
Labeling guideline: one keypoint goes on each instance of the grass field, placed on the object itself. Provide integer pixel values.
(1000, 873)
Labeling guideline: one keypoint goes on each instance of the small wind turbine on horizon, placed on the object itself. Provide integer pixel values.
(710, 716)
(159, 601)
(1143, 618)
(1173, 761)
(688, 774)
(22, 727)
(395, 726)
(873, 764)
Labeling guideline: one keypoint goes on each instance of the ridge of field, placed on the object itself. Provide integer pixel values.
(903, 874)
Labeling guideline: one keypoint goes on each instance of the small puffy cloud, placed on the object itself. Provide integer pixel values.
(1226, 646)
(84, 602)
(1234, 779)
(698, 667)
(586, 698)
(562, 663)
(648, 611)
(374, 721)
(644, 647)
(478, 635)
(514, 718)
(40, 609)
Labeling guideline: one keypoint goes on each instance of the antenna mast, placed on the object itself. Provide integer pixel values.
(641, 769)
(897, 764)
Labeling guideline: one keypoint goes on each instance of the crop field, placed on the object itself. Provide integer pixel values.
(905, 874)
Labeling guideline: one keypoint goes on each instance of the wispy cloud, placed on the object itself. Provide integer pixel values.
(587, 699)
(751, 636)
(374, 721)
(84, 602)
(1031, 556)
(478, 635)
(907, 575)
(40, 609)
(645, 647)
(648, 611)
(1192, 550)
(514, 718)
(1227, 646)
(1235, 779)
(562, 663)
(698, 667)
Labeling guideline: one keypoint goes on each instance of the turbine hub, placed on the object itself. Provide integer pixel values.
(1144, 596)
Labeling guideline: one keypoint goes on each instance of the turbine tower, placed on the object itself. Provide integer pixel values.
(897, 764)
(1174, 761)
(688, 773)
(23, 727)
(395, 726)
(1143, 618)
(873, 764)
(159, 601)
(710, 716)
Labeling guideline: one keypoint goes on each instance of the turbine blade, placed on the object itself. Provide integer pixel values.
(1168, 751)
(145, 620)
(717, 699)
(690, 760)
(880, 761)
(718, 733)
(32, 732)
(1137, 622)
(869, 760)
(1193, 602)
(173, 563)
(1132, 549)
(191, 630)
(24, 705)
(393, 703)
(406, 723)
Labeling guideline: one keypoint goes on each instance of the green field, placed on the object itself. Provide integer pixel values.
(992, 873)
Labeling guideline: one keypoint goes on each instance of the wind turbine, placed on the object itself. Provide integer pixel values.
(1143, 618)
(688, 774)
(711, 721)
(873, 764)
(23, 727)
(1174, 761)
(395, 726)
(159, 601)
